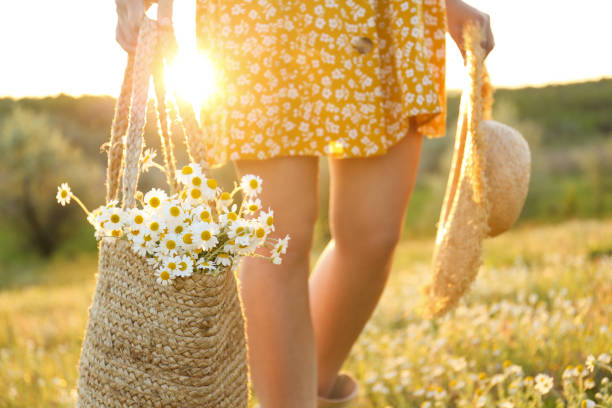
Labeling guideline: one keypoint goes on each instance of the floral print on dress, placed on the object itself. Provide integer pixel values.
(321, 77)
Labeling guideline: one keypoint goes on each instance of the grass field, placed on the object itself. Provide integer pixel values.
(540, 311)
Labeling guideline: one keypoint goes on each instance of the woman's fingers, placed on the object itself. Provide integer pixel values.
(129, 17)
(164, 12)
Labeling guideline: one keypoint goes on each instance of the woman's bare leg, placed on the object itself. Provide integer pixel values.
(368, 202)
(280, 338)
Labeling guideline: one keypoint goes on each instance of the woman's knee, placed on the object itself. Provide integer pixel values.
(371, 241)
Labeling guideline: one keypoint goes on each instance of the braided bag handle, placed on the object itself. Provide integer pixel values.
(154, 45)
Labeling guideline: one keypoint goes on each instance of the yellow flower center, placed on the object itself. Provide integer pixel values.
(196, 181)
(270, 221)
(260, 232)
(240, 231)
(138, 219)
(147, 237)
(232, 216)
(187, 239)
(115, 218)
(175, 211)
(196, 193)
(164, 275)
(170, 244)
(211, 183)
(222, 255)
(154, 202)
(253, 207)
(225, 196)
(171, 266)
(253, 183)
(187, 170)
(135, 232)
(206, 235)
(178, 229)
(116, 233)
(64, 194)
(154, 226)
(183, 266)
(205, 215)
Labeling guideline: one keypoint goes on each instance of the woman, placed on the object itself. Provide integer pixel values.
(360, 82)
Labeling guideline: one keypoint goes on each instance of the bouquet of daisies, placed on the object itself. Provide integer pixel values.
(199, 229)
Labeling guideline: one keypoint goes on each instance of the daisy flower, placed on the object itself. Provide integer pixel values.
(230, 246)
(227, 218)
(188, 172)
(281, 246)
(115, 219)
(251, 206)
(171, 264)
(224, 259)
(225, 200)
(154, 200)
(267, 220)
(168, 244)
(184, 266)
(139, 245)
(206, 265)
(250, 185)
(543, 383)
(63, 194)
(164, 277)
(173, 213)
(147, 160)
(205, 234)
(201, 213)
(210, 188)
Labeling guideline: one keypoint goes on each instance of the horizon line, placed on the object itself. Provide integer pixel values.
(448, 90)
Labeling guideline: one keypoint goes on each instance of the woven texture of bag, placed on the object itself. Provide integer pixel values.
(149, 345)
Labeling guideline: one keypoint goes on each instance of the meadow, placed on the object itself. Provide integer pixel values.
(534, 331)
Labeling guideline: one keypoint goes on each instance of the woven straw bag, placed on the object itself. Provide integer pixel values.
(148, 345)
(486, 190)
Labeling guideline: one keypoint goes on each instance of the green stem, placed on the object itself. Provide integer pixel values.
(80, 203)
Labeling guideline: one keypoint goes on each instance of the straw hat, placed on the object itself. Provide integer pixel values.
(486, 189)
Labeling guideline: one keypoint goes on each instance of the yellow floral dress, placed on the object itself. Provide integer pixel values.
(321, 77)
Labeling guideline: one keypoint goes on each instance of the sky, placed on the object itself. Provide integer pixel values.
(68, 46)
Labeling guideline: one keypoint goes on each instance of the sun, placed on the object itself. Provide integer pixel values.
(193, 76)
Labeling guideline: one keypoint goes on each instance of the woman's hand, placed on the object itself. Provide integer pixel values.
(459, 15)
(129, 17)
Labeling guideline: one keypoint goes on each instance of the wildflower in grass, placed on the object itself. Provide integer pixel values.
(590, 362)
(63, 194)
(250, 185)
(589, 383)
(543, 383)
(604, 358)
(587, 403)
